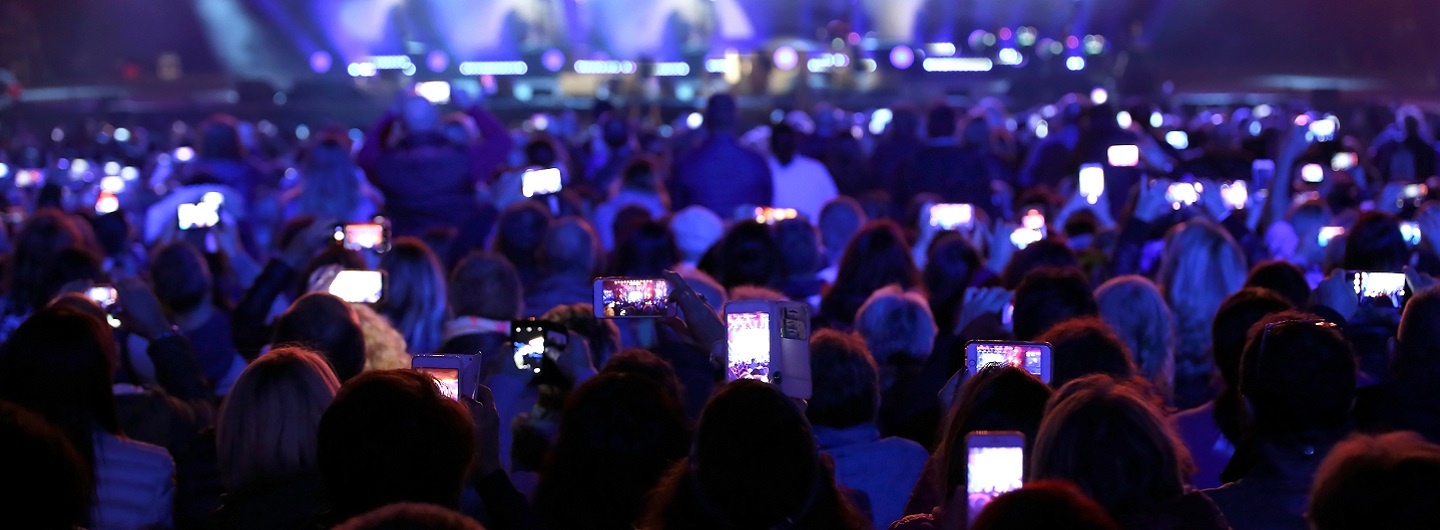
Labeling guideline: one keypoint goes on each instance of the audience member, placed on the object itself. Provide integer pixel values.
(1048, 504)
(1202, 265)
(1048, 296)
(876, 257)
(47, 484)
(800, 182)
(570, 258)
(415, 293)
(1377, 482)
(721, 175)
(1085, 346)
(1135, 310)
(327, 325)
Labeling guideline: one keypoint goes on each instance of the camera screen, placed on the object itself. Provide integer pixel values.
(1385, 289)
(951, 216)
(749, 345)
(1236, 194)
(529, 347)
(635, 298)
(447, 379)
(358, 287)
(1182, 193)
(199, 215)
(990, 472)
(1124, 156)
(540, 182)
(364, 236)
(1092, 181)
(105, 296)
(1028, 357)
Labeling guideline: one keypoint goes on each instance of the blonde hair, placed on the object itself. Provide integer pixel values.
(895, 321)
(1135, 309)
(1202, 266)
(269, 422)
(385, 347)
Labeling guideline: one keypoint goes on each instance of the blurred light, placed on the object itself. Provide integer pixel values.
(977, 39)
(1049, 111)
(941, 49)
(695, 120)
(1124, 119)
(1075, 64)
(868, 64)
(408, 70)
(1157, 120)
(129, 173)
(437, 61)
(356, 135)
(4, 171)
(391, 62)
(786, 58)
(988, 39)
(1312, 173)
(113, 184)
(122, 135)
(666, 131)
(494, 68)
(212, 197)
(1217, 118)
(1099, 96)
(879, 120)
(672, 69)
(853, 38)
(184, 154)
(901, 57)
(541, 121)
(684, 92)
(1072, 42)
(1010, 57)
(732, 66)
(280, 98)
(837, 44)
(957, 64)
(827, 61)
(1005, 34)
(361, 70)
(1056, 48)
(523, 91)
(1255, 128)
(1027, 36)
(715, 66)
(320, 62)
(1263, 111)
(553, 60)
(57, 135)
(79, 166)
(777, 116)
(1094, 44)
(111, 168)
(604, 67)
(1178, 139)
(1042, 129)
(437, 92)
(302, 132)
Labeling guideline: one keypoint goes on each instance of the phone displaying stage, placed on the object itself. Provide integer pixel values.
(1324, 129)
(770, 216)
(532, 339)
(1033, 357)
(537, 182)
(1031, 230)
(748, 345)
(1410, 230)
(372, 236)
(994, 465)
(446, 370)
(1183, 194)
(1236, 194)
(1312, 173)
(632, 298)
(1092, 182)
(1178, 139)
(1381, 289)
(952, 216)
(1124, 155)
(358, 286)
(203, 214)
(103, 295)
(1344, 161)
(436, 92)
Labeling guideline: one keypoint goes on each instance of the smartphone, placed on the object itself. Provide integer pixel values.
(1236, 194)
(1261, 171)
(1324, 129)
(1410, 230)
(1178, 139)
(537, 182)
(952, 216)
(747, 341)
(29, 178)
(1033, 357)
(103, 295)
(199, 215)
(183, 154)
(1381, 289)
(106, 203)
(632, 298)
(1312, 173)
(1413, 192)
(1032, 229)
(1344, 161)
(373, 236)
(770, 216)
(1183, 194)
(113, 183)
(994, 465)
(358, 286)
(1092, 182)
(1124, 155)
(437, 92)
(446, 370)
(1328, 233)
(531, 339)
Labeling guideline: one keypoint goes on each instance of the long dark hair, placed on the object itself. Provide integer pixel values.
(59, 363)
(877, 256)
(749, 255)
(754, 465)
(619, 434)
(998, 398)
(950, 267)
(37, 250)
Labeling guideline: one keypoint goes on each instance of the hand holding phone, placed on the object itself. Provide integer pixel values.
(633, 298)
(1181, 194)
(1124, 155)
(1033, 357)
(448, 372)
(994, 465)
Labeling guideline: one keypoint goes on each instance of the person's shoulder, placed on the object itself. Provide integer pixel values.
(133, 452)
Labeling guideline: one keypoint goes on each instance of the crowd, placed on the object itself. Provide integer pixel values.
(1215, 362)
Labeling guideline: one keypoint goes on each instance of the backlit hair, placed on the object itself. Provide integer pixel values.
(894, 321)
(1202, 265)
(1136, 310)
(268, 424)
(416, 303)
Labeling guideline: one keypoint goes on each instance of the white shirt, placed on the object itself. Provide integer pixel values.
(804, 185)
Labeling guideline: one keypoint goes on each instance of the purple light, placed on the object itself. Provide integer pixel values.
(437, 61)
(321, 62)
(786, 58)
(553, 60)
(902, 57)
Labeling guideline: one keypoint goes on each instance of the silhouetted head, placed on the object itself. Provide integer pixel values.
(47, 485)
(1298, 373)
(270, 419)
(998, 398)
(783, 143)
(721, 114)
(1048, 504)
(486, 285)
(846, 381)
(1282, 277)
(325, 324)
(1049, 296)
(940, 122)
(181, 277)
(1085, 346)
(1377, 482)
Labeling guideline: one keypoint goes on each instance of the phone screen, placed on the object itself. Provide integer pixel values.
(952, 216)
(1030, 357)
(770, 216)
(1381, 289)
(529, 340)
(103, 295)
(1124, 155)
(748, 345)
(447, 379)
(620, 298)
(1235, 194)
(1328, 233)
(994, 465)
(437, 92)
(1183, 194)
(1092, 182)
(358, 286)
(1344, 161)
(199, 215)
(1312, 173)
(106, 203)
(1410, 230)
(29, 178)
(1178, 139)
(1415, 191)
(184, 154)
(363, 236)
(540, 182)
(1323, 130)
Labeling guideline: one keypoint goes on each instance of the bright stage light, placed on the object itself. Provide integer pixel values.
(902, 57)
(553, 60)
(604, 67)
(1075, 64)
(1099, 96)
(494, 68)
(1010, 57)
(672, 69)
(786, 58)
(957, 64)
(320, 62)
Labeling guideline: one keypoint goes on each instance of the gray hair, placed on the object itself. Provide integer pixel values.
(894, 321)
